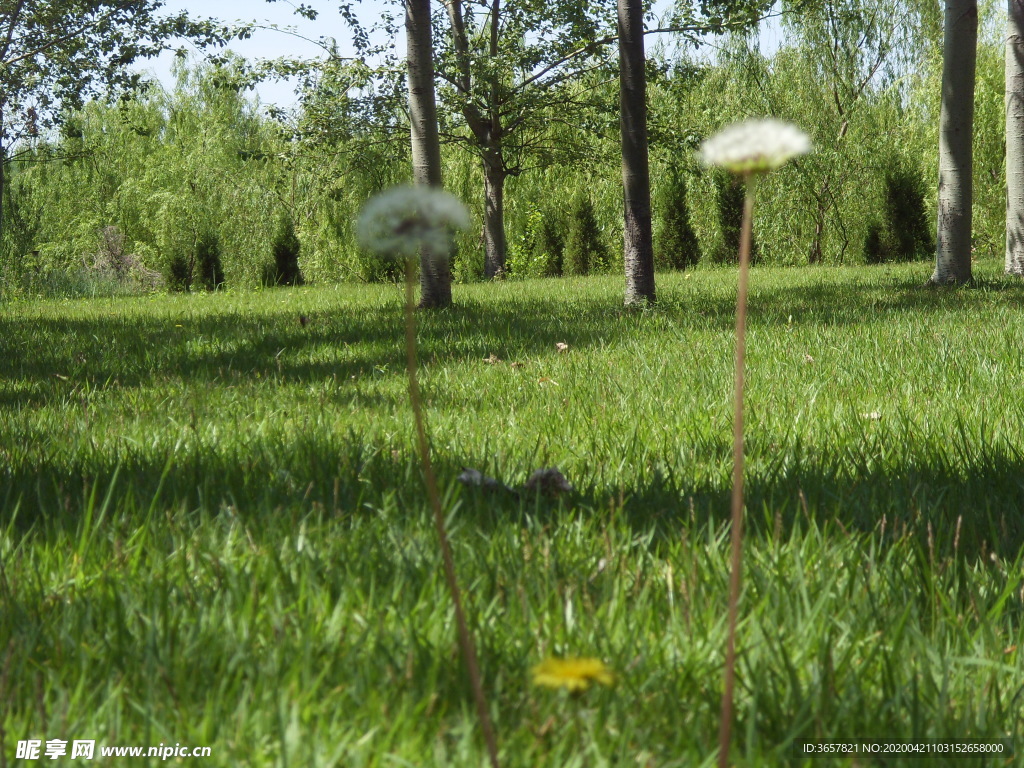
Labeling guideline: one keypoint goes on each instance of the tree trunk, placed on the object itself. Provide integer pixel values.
(494, 217)
(1015, 138)
(638, 247)
(435, 270)
(956, 131)
(3, 179)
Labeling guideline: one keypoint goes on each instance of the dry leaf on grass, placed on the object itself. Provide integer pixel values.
(561, 346)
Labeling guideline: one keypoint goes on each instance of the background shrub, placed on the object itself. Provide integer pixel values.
(285, 250)
(179, 272)
(584, 249)
(549, 244)
(904, 231)
(675, 241)
(207, 260)
(730, 193)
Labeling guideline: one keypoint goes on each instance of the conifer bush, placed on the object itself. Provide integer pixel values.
(904, 231)
(179, 272)
(875, 249)
(729, 196)
(549, 244)
(584, 249)
(906, 213)
(676, 244)
(285, 248)
(207, 260)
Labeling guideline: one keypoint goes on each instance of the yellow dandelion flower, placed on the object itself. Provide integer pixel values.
(575, 674)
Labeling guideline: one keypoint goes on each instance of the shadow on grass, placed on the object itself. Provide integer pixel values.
(969, 507)
(49, 358)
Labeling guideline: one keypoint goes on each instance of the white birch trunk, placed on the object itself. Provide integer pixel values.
(956, 131)
(1015, 137)
(435, 271)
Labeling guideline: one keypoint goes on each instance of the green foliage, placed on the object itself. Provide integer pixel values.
(165, 167)
(179, 272)
(730, 193)
(989, 219)
(675, 242)
(538, 251)
(584, 251)
(904, 234)
(210, 272)
(198, 266)
(286, 248)
(59, 52)
(549, 245)
(483, 64)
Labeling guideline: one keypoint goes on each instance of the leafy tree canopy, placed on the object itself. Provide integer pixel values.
(54, 54)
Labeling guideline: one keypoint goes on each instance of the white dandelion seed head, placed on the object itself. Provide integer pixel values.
(755, 146)
(403, 220)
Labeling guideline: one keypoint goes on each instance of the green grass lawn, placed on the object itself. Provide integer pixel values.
(214, 530)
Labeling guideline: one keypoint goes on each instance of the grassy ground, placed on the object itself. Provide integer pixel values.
(214, 530)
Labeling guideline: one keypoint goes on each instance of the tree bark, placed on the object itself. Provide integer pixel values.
(435, 270)
(494, 165)
(638, 241)
(956, 131)
(494, 217)
(814, 257)
(3, 179)
(1015, 137)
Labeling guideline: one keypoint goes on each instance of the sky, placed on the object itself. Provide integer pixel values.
(269, 43)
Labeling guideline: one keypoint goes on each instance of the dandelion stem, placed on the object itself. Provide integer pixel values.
(465, 639)
(725, 727)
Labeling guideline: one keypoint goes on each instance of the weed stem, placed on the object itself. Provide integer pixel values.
(725, 726)
(465, 638)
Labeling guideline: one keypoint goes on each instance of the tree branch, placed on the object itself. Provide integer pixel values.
(607, 39)
(68, 35)
(13, 22)
(459, 41)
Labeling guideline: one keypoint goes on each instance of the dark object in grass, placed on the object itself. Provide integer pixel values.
(549, 482)
(303, 321)
(477, 479)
